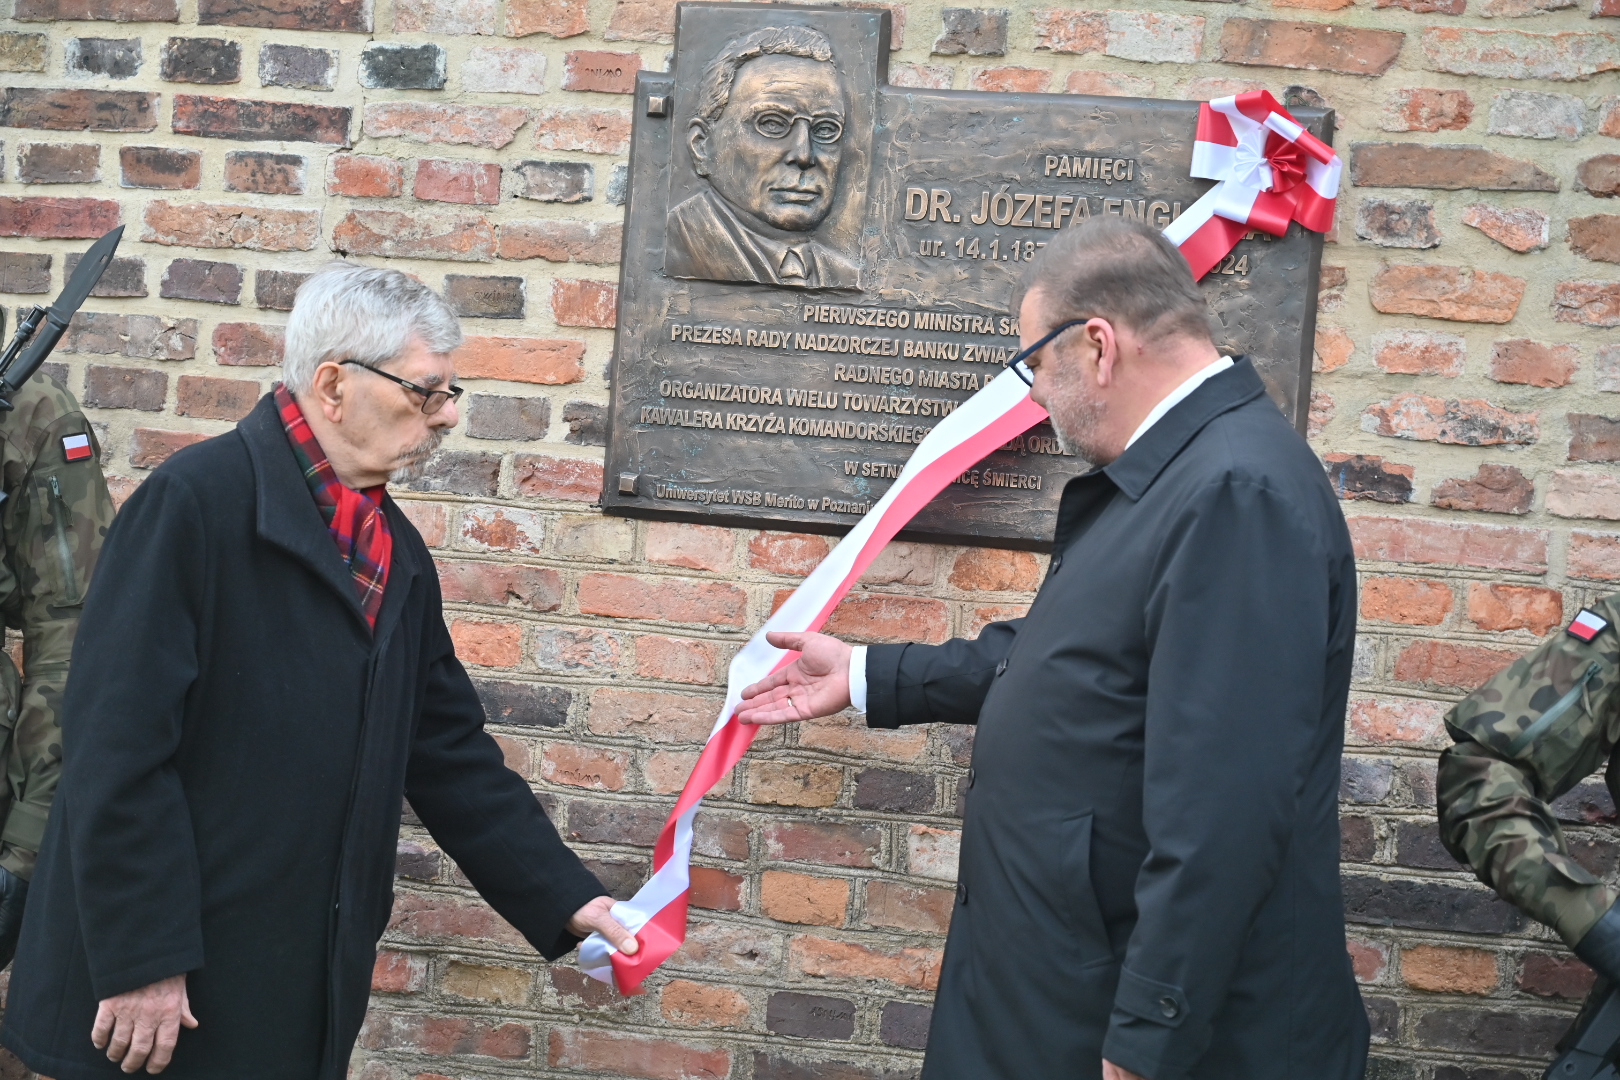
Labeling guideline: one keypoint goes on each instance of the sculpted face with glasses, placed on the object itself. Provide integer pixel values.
(769, 141)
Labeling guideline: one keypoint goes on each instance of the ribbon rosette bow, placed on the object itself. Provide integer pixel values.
(1271, 171)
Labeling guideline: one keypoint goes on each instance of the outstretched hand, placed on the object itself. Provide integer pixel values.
(816, 684)
(598, 916)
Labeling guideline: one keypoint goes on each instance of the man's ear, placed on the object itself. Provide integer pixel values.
(1103, 346)
(327, 389)
(697, 140)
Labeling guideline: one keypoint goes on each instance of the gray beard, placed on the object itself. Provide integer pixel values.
(1075, 419)
(416, 460)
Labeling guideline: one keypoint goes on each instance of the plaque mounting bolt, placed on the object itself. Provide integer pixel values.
(658, 105)
(627, 483)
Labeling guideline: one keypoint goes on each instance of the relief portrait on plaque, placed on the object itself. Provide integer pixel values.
(767, 146)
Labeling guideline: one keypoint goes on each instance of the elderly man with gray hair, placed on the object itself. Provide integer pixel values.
(262, 671)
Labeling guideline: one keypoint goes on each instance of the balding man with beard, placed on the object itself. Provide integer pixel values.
(262, 671)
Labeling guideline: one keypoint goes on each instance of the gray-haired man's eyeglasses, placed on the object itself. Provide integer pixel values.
(1017, 363)
(432, 400)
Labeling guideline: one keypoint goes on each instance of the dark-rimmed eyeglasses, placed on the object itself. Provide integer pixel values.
(775, 124)
(432, 400)
(1018, 363)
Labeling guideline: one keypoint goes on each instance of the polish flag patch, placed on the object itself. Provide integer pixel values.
(76, 447)
(1588, 625)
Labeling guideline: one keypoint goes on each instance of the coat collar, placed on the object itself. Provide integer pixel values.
(289, 518)
(1134, 471)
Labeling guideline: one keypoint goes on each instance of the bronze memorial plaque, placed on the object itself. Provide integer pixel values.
(817, 267)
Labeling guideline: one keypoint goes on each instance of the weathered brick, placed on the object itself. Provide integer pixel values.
(996, 570)
(1460, 422)
(445, 16)
(247, 345)
(793, 783)
(584, 303)
(492, 70)
(1593, 438)
(443, 1035)
(1420, 352)
(260, 121)
(604, 72)
(1587, 303)
(1442, 663)
(1397, 721)
(572, 648)
(78, 110)
(559, 18)
(1100, 83)
(587, 423)
(933, 852)
(548, 361)
(1547, 975)
(399, 972)
(392, 65)
(146, 337)
(437, 916)
(1594, 556)
(1599, 175)
(973, 31)
(591, 767)
(923, 76)
(1393, 223)
(799, 1066)
(199, 279)
(1504, 1032)
(803, 841)
(1154, 37)
(894, 790)
(398, 234)
(546, 477)
(486, 982)
(201, 60)
(1528, 114)
(59, 163)
(1449, 168)
(634, 1055)
(1443, 969)
(1365, 782)
(124, 276)
(114, 58)
(300, 67)
(153, 446)
(1309, 45)
(915, 968)
(485, 297)
(464, 472)
(125, 388)
(491, 126)
(873, 617)
(48, 217)
(715, 889)
(905, 907)
(218, 225)
(349, 16)
(1413, 601)
(1011, 80)
(159, 167)
(696, 547)
(522, 703)
(803, 899)
(1413, 540)
(364, 176)
(487, 643)
(844, 734)
(574, 127)
(1516, 54)
(24, 272)
(1456, 293)
(809, 1016)
(555, 181)
(660, 715)
(1596, 237)
(1427, 905)
(1520, 229)
(1514, 607)
(1577, 494)
(1368, 476)
(794, 554)
(685, 1002)
(1419, 109)
(1494, 489)
(507, 529)
(22, 52)
(594, 242)
(491, 416)
(264, 172)
(468, 182)
(676, 659)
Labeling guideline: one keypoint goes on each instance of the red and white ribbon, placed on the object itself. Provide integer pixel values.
(998, 413)
(1271, 172)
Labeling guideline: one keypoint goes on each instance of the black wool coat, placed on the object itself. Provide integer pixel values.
(237, 742)
(1149, 868)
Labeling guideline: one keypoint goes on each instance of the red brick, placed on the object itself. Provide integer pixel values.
(1519, 228)
(546, 361)
(1065, 30)
(1398, 721)
(914, 968)
(981, 617)
(436, 916)
(635, 1056)
(59, 163)
(1426, 7)
(876, 617)
(397, 234)
(793, 783)
(1546, 975)
(263, 172)
(585, 766)
(1012, 80)
(491, 126)
(1593, 438)
(1444, 664)
(398, 972)
(160, 167)
(668, 599)
(1515, 607)
(827, 844)
(363, 176)
(1446, 292)
(593, 242)
(1418, 109)
(1099, 83)
(1588, 303)
(153, 446)
(559, 18)
(642, 20)
(1459, 422)
(48, 217)
(351, 16)
(584, 303)
(927, 76)
(430, 520)
(215, 399)
(1599, 175)
(696, 547)
(1313, 46)
(677, 659)
(1494, 489)
(842, 734)
(78, 110)
(471, 182)
(574, 127)
(902, 563)
(93, 10)
(217, 225)
(803, 899)
(1367, 958)
(905, 907)
(1420, 352)
(1414, 601)
(1520, 360)
(503, 528)
(1596, 237)
(604, 72)
(1516, 54)
(716, 890)
(1413, 540)
(659, 715)
(248, 345)
(1449, 168)
(685, 1002)
(1443, 969)
(444, 1035)
(260, 121)
(544, 477)
(666, 772)
(996, 570)
(793, 554)
(1577, 494)
(487, 644)
(1609, 118)
(1333, 349)
(1594, 556)
(538, 588)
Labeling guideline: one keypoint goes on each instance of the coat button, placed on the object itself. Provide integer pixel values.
(961, 893)
(1001, 668)
(1168, 1006)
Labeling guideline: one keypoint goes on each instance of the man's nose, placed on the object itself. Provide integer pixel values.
(801, 147)
(446, 417)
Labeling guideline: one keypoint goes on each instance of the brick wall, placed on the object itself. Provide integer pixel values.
(1463, 407)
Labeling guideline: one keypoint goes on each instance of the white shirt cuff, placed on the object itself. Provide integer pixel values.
(857, 678)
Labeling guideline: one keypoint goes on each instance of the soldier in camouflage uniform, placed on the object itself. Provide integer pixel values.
(1524, 738)
(54, 513)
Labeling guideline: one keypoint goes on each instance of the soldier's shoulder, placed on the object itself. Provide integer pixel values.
(39, 407)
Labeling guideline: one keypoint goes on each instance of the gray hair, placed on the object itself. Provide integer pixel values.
(718, 77)
(367, 313)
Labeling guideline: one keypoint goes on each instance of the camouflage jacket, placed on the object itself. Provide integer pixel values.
(54, 513)
(1527, 736)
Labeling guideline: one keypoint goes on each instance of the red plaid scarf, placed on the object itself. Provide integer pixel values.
(355, 518)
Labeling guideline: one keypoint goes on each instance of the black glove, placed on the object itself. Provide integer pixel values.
(13, 896)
